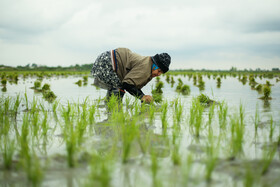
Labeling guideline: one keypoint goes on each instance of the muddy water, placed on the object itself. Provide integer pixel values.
(136, 172)
(232, 91)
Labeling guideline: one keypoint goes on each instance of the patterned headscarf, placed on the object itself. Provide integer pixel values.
(154, 66)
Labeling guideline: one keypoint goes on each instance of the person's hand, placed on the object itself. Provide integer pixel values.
(147, 99)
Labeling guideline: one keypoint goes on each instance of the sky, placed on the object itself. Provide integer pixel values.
(198, 34)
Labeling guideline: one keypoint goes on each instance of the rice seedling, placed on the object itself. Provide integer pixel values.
(44, 124)
(259, 88)
(194, 80)
(152, 110)
(256, 119)
(118, 116)
(163, 116)
(244, 79)
(154, 168)
(172, 82)
(143, 140)
(3, 75)
(85, 79)
(4, 89)
(212, 156)
(34, 106)
(32, 166)
(5, 124)
(70, 137)
(210, 115)
(187, 166)
(239, 76)
(71, 147)
(252, 81)
(100, 171)
(82, 122)
(79, 83)
(271, 129)
(249, 177)
(92, 111)
(35, 124)
(178, 110)
(267, 158)
(237, 136)
(25, 75)
(1, 122)
(40, 76)
(157, 92)
(113, 104)
(80, 130)
(222, 112)
(157, 79)
(26, 101)
(219, 82)
(196, 119)
(49, 96)
(241, 114)
(185, 90)
(85, 109)
(268, 84)
(157, 98)
(4, 82)
(266, 93)
(7, 103)
(179, 86)
(201, 83)
(175, 156)
(16, 105)
(129, 132)
(205, 100)
(190, 76)
(127, 102)
(8, 151)
(46, 87)
(136, 109)
(37, 85)
(24, 141)
(54, 109)
(15, 78)
(167, 78)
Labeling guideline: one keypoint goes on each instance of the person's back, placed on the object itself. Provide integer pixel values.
(133, 68)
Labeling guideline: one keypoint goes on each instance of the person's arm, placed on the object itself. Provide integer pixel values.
(133, 90)
(137, 93)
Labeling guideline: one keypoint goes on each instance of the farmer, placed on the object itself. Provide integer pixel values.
(122, 70)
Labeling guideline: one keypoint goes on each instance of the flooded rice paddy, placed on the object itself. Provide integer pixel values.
(77, 140)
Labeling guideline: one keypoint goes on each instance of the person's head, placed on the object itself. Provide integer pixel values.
(156, 71)
(162, 61)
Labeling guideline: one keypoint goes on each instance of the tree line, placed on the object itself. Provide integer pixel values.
(35, 67)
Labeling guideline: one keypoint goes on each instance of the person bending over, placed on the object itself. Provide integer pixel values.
(122, 70)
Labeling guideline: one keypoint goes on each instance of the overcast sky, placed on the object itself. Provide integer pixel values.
(214, 34)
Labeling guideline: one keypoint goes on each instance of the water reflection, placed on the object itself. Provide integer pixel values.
(266, 105)
(144, 140)
(4, 89)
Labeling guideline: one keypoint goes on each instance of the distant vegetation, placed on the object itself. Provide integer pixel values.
(87, 67)
(35, 67)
